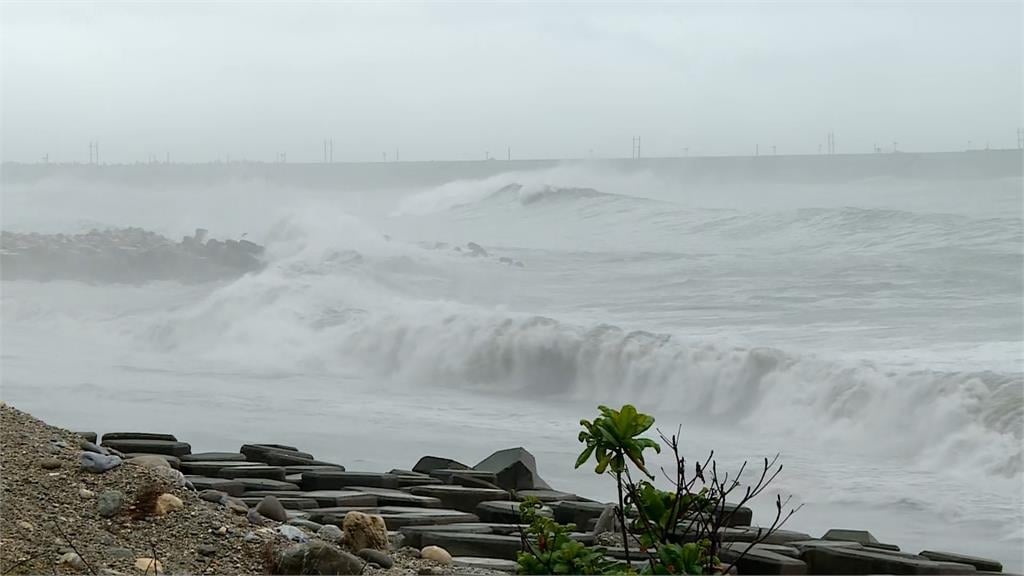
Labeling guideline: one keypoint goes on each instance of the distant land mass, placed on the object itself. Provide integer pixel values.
(972, 164)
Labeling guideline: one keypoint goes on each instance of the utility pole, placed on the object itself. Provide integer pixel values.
(757, 149)
(894, 148)
(396, 154)
(637, 147)
(330, 155)
(508, 156)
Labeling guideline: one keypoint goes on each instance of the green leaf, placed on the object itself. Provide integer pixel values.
(584, 456)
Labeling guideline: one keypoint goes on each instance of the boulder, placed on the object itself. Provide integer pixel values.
(49, 463)
(87, 446)
(407, 478)
(981, 564)
(168, 447)
(137, 436)
(317, 557)
(214, 457)
(802, 545)
(236, 505)
(270, 507)
(230, 487)
(427, 464)
(87, 436)
(839, 560)
(365, 531)
(515, 469)
(486, 545)
(148, 565)
(299, 469)
(215, 496)
(97, 463)
(460, 497)
(171, 476)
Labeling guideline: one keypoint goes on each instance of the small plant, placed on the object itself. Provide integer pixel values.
(146, 499)
(613, 438)
(679, 530)
(548, 548)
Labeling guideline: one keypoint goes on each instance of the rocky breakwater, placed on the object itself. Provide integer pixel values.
(124, 255)
(276, 508)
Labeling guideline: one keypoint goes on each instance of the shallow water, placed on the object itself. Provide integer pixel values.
(869, 330)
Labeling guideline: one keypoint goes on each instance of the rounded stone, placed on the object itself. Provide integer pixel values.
(271, 507)
(376, 557)
(109, 503)
(167, 503)
(436, 554)
(49, 463)
(330, 533)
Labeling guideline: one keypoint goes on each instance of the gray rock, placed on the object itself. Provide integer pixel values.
(231, 487)
(138, 436)
(168, 447)
(862, 536)
(59, 443)
(430, 571)
(547, 496)
(108, 503)
(427, 464)
(338, 479)
(252, 484)
(982, 564)
(376, 557)
(254, 471)
(255, 518)
(171, 476)
(445, 475)
(207, 549)
(307, 524)
(214, 457)
(824, 560)
(330, 533)
(485, 545)
(215, 496)
(275, 455)
(578, 513)
(251, 537)
(607, 521)
(293, 533)
(120, 553)
(271, 507)
(760, 559)
(476, 563)
(515, 468)
(88, 436)
(412, 534)
(236, 505)
(317, 558)
(355, 498)
(212, 468)
(97, 463)
(73, 560)
(751, 533)
(88, 446)
(49, 463)
(288, 503)
(505, 512)
(391, 497)
(460, 497)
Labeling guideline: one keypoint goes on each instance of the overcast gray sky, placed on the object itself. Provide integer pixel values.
(450, 81)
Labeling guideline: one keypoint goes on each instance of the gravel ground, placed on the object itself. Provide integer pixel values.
(49, 508)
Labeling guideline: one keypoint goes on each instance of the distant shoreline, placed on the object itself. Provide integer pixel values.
(974, 164)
